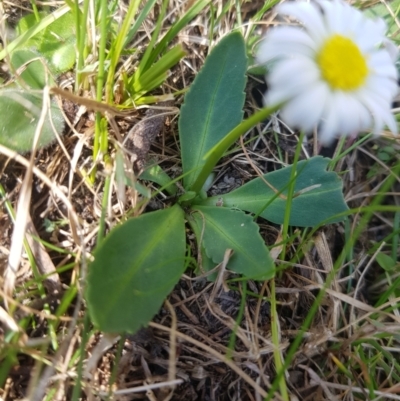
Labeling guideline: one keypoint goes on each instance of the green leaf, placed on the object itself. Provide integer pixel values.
(206, 265)
(213, 105)
(386, 153)
(386, 262)
(318, 195)
(187, 197)
(27, 33)
(135, 268)
(63, 58)
(219, 229)
(156, 174)
(34, 74)
(56, 42)
(20, 113)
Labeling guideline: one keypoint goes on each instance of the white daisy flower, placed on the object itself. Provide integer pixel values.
(337, 71)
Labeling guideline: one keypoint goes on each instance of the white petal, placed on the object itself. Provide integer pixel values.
(391, 122)
(284, 83)
(291, 34)
(380, 114)
(380, 63)
(309, 15)
(354, 23)
(294, 72)
(330, 122)
(334, 15)
(370, 34)
(283, 42)
(362, 116)
(270, 50)
(384, 114)
(305, 110)
(391, 48)
(349, 119)
(380, 26)
(277, 96)
(384, 87)
(383, 103)
(366, 93)
(274, 97)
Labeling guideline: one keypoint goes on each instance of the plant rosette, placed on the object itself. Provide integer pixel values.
(140, 260)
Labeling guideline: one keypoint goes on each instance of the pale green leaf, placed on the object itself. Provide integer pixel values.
(33, 72)
(156, 174)
(20, 113)
(63, 58)
(386, 262)
(28, 32)
(56, 42)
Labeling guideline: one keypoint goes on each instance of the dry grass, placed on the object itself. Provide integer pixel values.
(210, 341)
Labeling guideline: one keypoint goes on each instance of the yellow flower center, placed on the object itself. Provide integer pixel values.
(342, 64)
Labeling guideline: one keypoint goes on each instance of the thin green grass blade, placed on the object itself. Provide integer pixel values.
(150, 47)
(152, 78)
(176, 28)
(139, 20)
(117, 46)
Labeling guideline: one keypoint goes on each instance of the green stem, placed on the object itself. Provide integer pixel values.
(215, 154)
(232, 339)
(144, 65)
(290, 193)
(114, 373)
(395, 240)
(100, 80)
(35, 10)
(276, 342)
(79, 62)
(77, 388)
(117, 47)
(81, 30)
(104, 205)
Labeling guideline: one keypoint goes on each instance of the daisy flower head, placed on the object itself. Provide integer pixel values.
(335, 71)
